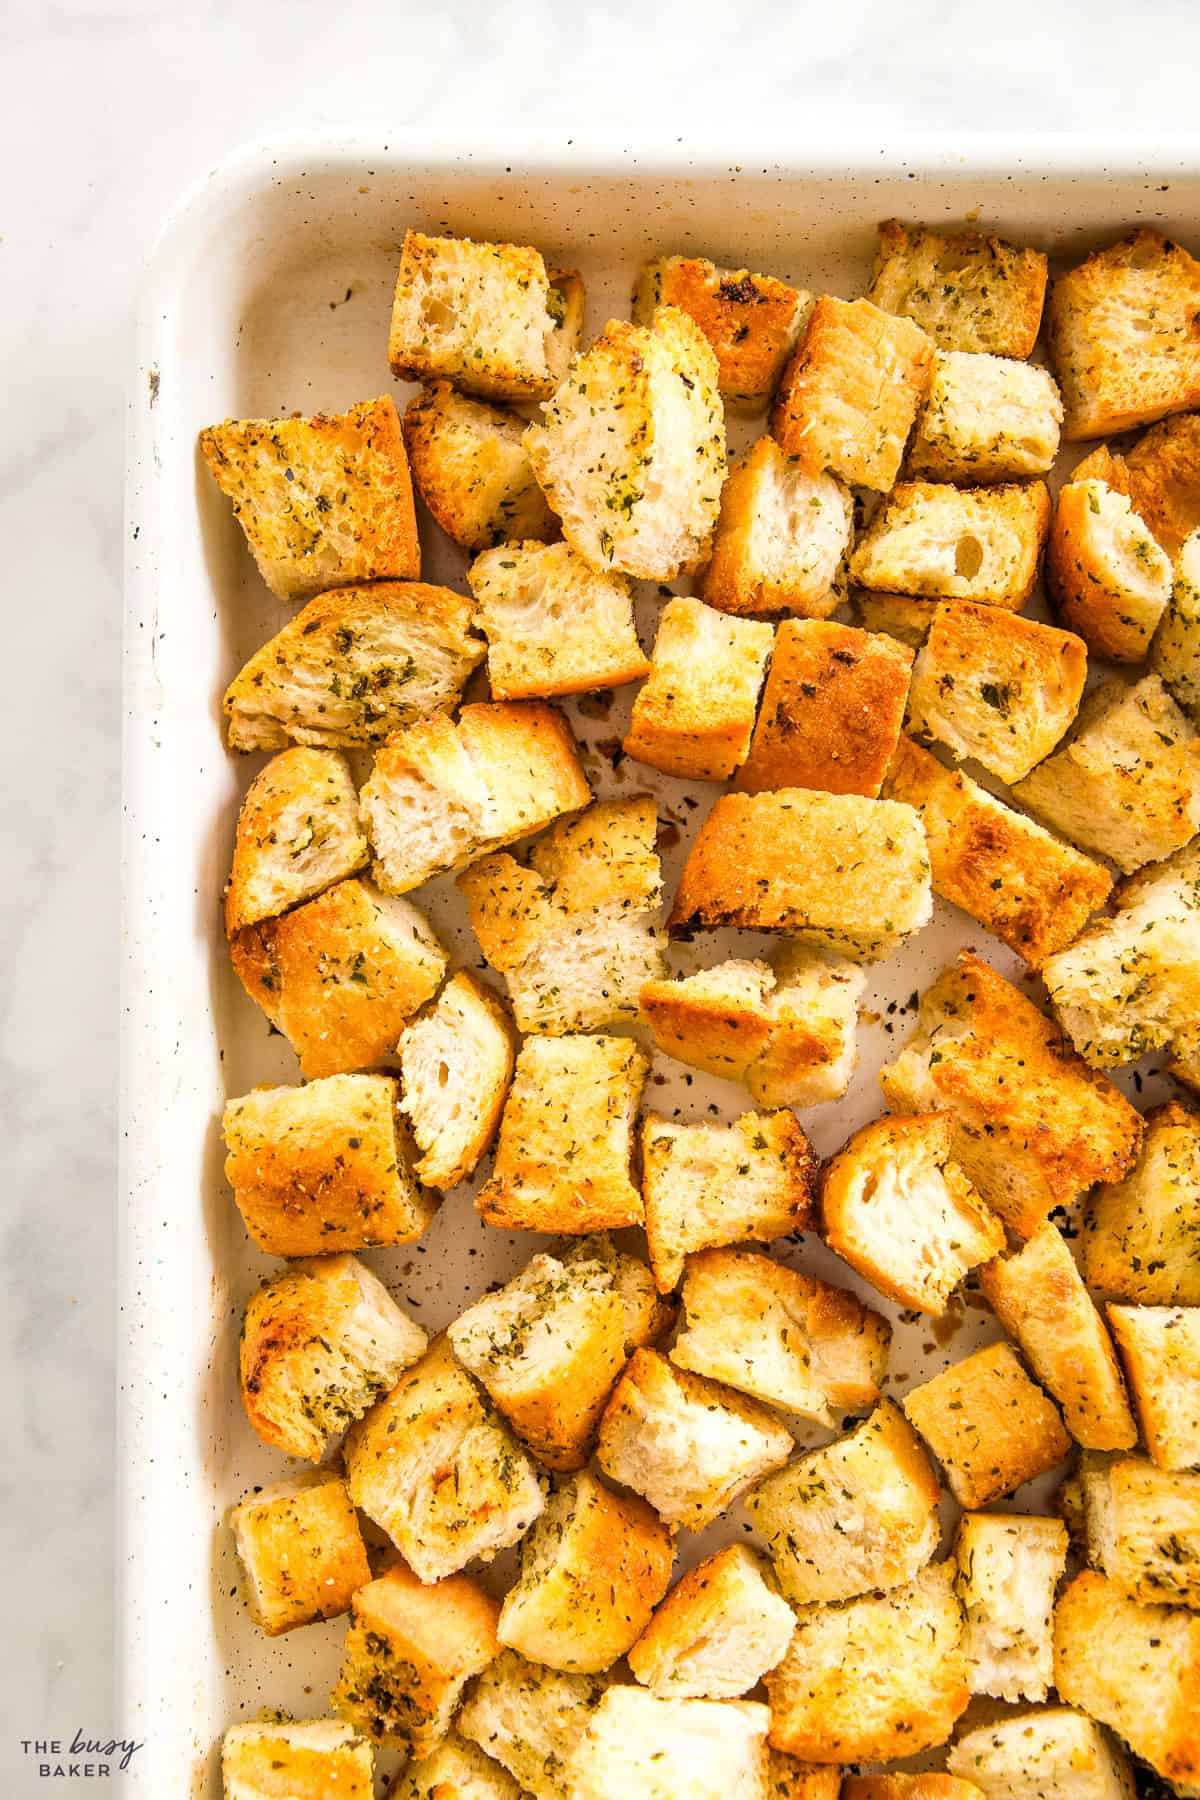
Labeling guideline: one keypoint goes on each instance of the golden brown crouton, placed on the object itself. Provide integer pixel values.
(322, 1755)
(968, 291)
(456, 1063)
(897, 615)
(695, 714)
(831, 711)
(1140, 1234)
(790, 1779)
(986, 418)
(1054, 1753)
(324, 501)
(781, 539)
(989, 1426)
(297, 833)
(956, 543)
(471, 470)
(717, 1633)
(529, 1718)
(1108, 578)
(1160, 1347)
(301, 1549)
(1143, 1527)
(848, 397)
(1009, 1566)
(635, 1743)
(751, 321)
(456, 1770)
(553, 625)
(928, 1786)
(1162, 479)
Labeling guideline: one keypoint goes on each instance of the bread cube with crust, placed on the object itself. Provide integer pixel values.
(782, 537)
(1161, 474)
(322, 501)
(790, 1779)
(456, 1063)
(1053, 1753)
(659, 1749)
(991, 1428)
(929, 1785)
(471, 470)
(695, 713)
(298, 832)
(1107, 577)
(1143, 1527)
(322, 1755)
(986, 418)
(942, 542)
(456, 1770)
(850, 394)
(1175, 652)
(717, 1632)
(1160, 1348)
(1009, 1565)
(302, 1552)
(553, 625)
(630, 448)
(901, 1212)
(529, 1719)
(898, 616)
(968, 291)
(647, 1314)
(751, 321)
(687, 1445)
(1140, 1234)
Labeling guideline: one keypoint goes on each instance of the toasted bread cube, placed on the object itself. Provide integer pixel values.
(1160, 1347)
(687, 1445)
(956, 543)
(708, 1185)
(968, 291)
(1140, 1234)
(986, 418)
(898, 616)
(553, 625)
(340, 975)
(995, 686)
(593, 1569)
(575, 934)
(848, 397)
(456, 1063)
(1123, 339)
(875, 1678)
(456, 1770)
(259, 1762)
(354, 665)
(694, 716)
(1133, 1668)
(990, 1427)
(751, 321)
(441, 1475)
(1108, 578)
(927, 1786)
(897, 1209)
(548, 1347)
(780, 1336)
(410, 1651)
(1054, 1753)
(442, 795)
(1033, 1125)
(1161, 475)
(1143, 1527)
(647, 1314)
(782, 537)
(488, 316)
(790, 1779)
(1009, 1566)
(717, 1633)
(794, 861)
(832, 710)
(301, 1549)
(529, 1719)
(471, 470)
(660, 1749)
(566, 1138)
(1039, 1297)
(1175, 652)
(323, 501)
(297, 833)
(320, 1342)
(630, 449)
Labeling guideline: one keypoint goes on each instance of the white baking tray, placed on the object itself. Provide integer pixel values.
(270, 293)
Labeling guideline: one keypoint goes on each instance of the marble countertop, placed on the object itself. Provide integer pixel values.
(111, 108)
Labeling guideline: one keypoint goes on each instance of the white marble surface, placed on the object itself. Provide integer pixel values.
(110, 108)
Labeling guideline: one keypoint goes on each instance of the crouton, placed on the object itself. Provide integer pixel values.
(782, 537)
(302, 1552)
(897, 1209)
(488, 316)
(780, 1336)
(992, 685)
(259, 1762)
(1133, 1668)
(794, 861)
(566, 1138)
(471, 470)
(630, 449)
(297, 833)
(717, 1633)
(986, 418)
(968, 291)
(956, 543)
(354, 665)
(1140, 1234)
(898, 616)
(1160, 1348)
(340, 975)
(875, 1678)
(553, 625)
(647, 1314)
(320, 1342)
(1039, 1297)
(635, 1743)
(1143, 1528)
(1009, 1566)
(1123, 340)
(324, 501)
(441, 795)
(927, 1786)
(456, 1770)
(575, 933)
(323, 1167)
(529, 1719)
(990, 1427)
(1175, 652)
(441, 1475)
(687, 1445)
(456, 1063)
(1107, 577)
(409, 1653)
(848, 398)
(1033, 1126)
(593, 1569)
(831, 712)
(751, 321)
(790, 1779)
(548, 1347)
(694, 716)
(1054, 1753)
(709, 1185)
(1162, 478)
